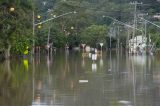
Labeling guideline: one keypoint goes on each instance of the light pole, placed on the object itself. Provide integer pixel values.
(118, 37)
(44, 21)
(33, 32)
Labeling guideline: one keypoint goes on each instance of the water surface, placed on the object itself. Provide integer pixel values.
(74, 79)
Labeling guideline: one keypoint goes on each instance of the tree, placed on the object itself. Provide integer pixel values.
(14, 25)
(94, 34)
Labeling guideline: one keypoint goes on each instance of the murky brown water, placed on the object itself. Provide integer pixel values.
(73, 79)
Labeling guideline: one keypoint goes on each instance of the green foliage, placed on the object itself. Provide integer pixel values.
(156, 39)
(20, 44)
(15, 27)
(89, 12)
(88, 23)
(94, 34)
(154, 35)
(59, 41)
(58, 37)
(74, 40)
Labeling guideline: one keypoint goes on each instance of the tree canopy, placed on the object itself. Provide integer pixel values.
(88, 25)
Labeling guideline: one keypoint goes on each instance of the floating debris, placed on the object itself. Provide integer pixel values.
(126, 103)
(83, 81)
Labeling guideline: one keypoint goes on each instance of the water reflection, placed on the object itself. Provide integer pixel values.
(94, 67)
(25, 62)
(74, 79)
(13, 81)
(101, 61)
(138, 59)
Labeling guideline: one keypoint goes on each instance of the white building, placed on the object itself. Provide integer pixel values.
(138, 44)
(157, 16)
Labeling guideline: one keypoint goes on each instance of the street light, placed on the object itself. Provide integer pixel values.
(7, 8)
(39, 26)
(38, 16)
(47, 20)
(72, 27)
(54, 16)
(11, 9)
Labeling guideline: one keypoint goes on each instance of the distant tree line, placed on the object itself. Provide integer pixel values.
(87, 26)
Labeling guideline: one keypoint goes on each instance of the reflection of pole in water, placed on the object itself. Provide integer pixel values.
(118, 56)
(66, 52)
(101, 61)
(110, 57)
(66, 67)
(49, 61)
(83, 62)
(94, 67)
(134, 81)
(33, 83)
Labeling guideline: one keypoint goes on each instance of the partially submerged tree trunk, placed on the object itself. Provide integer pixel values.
(8, 70)
(7, 52)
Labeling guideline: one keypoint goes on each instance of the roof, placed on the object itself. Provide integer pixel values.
(138, 39)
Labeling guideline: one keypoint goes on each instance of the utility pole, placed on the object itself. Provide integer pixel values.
(127, 40)
(110, 43)
(144, 23)
(135, 3)
(48, 45)
(33, 21)
(118, 36)
(49, 32)
(145, 33)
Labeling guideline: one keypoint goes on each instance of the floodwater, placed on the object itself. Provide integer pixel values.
(74, 79)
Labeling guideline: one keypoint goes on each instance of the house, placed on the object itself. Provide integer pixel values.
(138, 44)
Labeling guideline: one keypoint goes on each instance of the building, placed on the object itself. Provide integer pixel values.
(139, 45)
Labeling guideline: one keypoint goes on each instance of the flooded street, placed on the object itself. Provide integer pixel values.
(74, 79)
